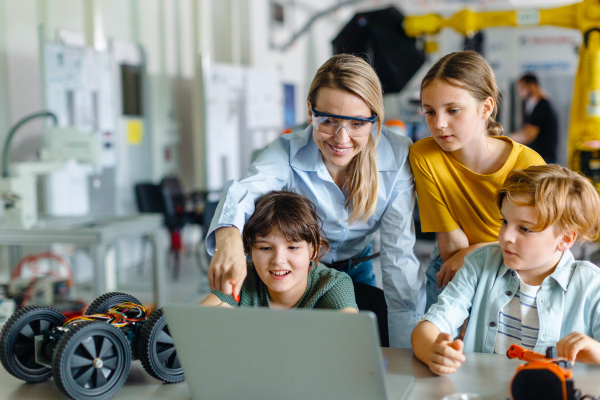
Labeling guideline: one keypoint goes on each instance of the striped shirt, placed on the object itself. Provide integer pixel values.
(568, 301)
(518, 321)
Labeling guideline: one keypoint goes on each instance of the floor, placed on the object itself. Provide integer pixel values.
(190, 287)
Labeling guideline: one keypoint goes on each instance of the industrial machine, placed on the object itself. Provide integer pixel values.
(584, 130)
(89, 356)
(18, 185)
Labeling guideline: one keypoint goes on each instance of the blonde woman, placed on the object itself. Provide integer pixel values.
(359, 178)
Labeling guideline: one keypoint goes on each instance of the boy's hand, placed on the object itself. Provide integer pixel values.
(446, 356)
(579, 347)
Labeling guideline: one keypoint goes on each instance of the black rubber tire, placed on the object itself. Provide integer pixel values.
(107, 301)
(157, 351)
(17, 343)
(74, 356)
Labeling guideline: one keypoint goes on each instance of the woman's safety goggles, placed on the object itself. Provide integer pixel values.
(330, 124)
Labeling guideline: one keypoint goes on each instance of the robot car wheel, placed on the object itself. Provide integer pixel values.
(17, 341)
(157, 351)
(91, 361)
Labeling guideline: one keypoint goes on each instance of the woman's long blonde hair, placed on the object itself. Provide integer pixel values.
(352, 74)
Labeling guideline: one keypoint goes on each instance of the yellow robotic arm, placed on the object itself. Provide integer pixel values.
(584, 128)
(468, 22)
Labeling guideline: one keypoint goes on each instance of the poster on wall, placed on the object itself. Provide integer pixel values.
(548, 51)
(244, 112)
(224, 93)
(264, 100)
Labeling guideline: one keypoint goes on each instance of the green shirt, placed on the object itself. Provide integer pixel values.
(326, 288)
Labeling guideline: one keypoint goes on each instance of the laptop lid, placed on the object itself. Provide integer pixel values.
(256, 353)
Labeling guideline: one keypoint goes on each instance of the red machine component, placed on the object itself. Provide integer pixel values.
(28, 273)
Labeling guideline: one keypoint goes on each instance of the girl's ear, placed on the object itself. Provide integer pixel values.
(567, 239)
(487, 107)
(309, 113)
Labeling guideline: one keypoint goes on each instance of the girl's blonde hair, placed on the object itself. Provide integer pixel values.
(561, 197)
(468, 70)
(352, 74)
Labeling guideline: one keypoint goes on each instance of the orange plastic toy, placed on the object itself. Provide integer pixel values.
(544, 377)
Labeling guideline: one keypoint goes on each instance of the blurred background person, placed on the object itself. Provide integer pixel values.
(540, 123)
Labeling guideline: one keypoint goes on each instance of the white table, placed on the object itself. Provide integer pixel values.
(97, 233)
(487, 374)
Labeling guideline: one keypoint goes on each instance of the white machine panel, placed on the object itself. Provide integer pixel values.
(78, 88)
(224, 93)
(244, 111)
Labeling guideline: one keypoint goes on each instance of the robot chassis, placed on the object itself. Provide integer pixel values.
(89, 357)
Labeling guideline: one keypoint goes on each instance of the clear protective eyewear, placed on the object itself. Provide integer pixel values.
(330, 124)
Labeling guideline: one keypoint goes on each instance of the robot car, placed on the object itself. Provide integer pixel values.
(89, 356)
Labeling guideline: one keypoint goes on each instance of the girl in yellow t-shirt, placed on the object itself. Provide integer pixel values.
(459, 168)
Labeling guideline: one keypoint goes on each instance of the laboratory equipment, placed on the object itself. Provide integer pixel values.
(19, 180)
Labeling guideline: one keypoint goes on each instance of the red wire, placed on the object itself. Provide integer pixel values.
(34, 260)
(16, 273)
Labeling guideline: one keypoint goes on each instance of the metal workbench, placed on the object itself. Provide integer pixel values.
(97, 233)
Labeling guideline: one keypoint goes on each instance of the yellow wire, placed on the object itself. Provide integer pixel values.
(112, 311)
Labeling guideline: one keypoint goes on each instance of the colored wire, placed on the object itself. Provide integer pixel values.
(32, 261)
(119, 315)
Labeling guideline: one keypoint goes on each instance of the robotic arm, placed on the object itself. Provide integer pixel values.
(468, 22)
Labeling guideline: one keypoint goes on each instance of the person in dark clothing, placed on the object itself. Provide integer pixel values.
(540, 128)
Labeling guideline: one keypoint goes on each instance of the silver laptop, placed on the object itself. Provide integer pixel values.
(257, 353)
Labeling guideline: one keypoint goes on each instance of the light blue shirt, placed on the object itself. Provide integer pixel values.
(294, 162)
(568, 301)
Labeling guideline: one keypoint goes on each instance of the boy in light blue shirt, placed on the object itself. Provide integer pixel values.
(528, 289)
